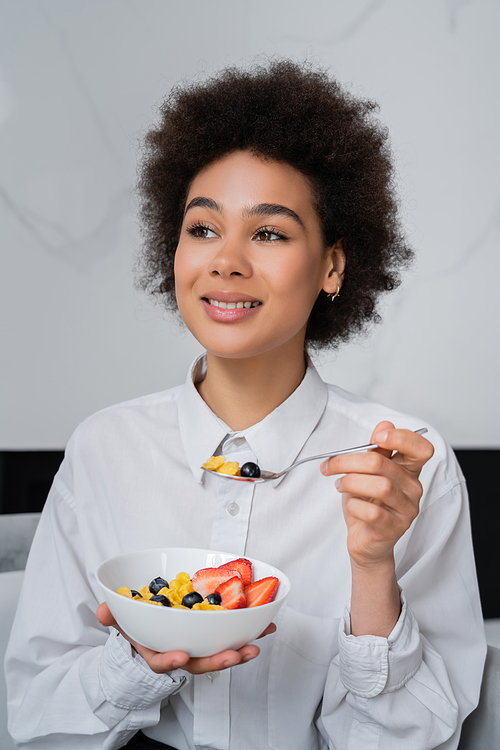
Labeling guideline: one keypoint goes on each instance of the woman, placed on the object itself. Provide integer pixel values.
(270, 221)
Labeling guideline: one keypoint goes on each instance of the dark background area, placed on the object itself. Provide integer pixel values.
(26, 476)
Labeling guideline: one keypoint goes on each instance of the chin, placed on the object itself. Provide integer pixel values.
(234, 344)
(242, 350)
(237, 352)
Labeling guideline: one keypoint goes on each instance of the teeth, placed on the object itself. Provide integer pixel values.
(232, 305)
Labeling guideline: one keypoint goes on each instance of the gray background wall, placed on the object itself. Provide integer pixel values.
(79, 80)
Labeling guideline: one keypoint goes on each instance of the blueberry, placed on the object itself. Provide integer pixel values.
(135, 593)
(157, 584)
(162, 599)
(250, 470)
(214, 598)
(192, 598)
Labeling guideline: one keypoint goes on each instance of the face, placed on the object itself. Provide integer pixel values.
(251, 260)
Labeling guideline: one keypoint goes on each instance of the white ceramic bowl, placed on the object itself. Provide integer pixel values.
(199, 632)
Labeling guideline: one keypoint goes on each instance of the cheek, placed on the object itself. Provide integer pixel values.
(184, 273)
(179, 264)
(297, 285)
(177, 279)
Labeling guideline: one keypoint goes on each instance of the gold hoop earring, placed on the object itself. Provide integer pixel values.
(332, 295)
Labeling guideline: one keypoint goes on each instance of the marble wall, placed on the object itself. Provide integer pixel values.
(79, 80)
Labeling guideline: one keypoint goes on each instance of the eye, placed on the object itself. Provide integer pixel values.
(200, 231)
(268, 234)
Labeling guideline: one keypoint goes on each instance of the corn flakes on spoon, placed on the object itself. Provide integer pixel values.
(250, 472)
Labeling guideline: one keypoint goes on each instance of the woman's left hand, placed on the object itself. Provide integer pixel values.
(380, 492)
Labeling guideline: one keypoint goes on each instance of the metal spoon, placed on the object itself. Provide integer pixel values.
(267, 475)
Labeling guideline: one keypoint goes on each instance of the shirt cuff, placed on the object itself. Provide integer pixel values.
(127, 681)
(370, 665)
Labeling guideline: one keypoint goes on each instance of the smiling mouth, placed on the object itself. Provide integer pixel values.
(231, 305)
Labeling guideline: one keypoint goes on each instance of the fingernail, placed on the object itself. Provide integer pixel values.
(322, 467)
(175, 665)
(337, 484)
(228, 664)
(248, 657)
(381, 437)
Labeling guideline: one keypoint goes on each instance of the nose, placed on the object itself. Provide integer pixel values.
(230, 259)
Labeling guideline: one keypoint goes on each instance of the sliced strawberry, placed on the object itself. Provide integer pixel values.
(244, 568)
(262, 592)
(232, 593)
(206, 580)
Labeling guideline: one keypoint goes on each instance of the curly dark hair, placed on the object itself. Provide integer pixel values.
(296, 114)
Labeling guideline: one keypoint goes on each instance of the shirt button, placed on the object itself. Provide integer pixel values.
(212, 675)
(239, 440)
(233, 509)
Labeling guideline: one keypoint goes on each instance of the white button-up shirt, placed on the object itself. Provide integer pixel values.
(131, 479)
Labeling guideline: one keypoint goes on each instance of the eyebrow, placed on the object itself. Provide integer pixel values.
(260, 209)
(272, 209)
(203, 203)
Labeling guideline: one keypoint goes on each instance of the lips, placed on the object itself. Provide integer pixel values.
(232, 309)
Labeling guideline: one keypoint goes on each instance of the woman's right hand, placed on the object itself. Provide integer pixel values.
(166, 662)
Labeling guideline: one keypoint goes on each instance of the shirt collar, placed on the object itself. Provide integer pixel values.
(276, 441)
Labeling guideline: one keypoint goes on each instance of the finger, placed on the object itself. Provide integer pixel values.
(331, 465)
(375, 476)
(249, 652)
(104, 616)
(162, 662)
(411, 449)
(223, 660)
(271, 628)
(382, 518)
(372, 514)
(370, 462)
(399, 497)
(382, 428)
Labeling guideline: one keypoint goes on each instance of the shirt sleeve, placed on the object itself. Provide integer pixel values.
(68, 676)
(370, 664)
(414, 689)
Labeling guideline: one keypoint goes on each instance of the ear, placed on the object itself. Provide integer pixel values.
(335, 266)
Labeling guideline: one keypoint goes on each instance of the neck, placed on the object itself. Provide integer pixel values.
(244, 391)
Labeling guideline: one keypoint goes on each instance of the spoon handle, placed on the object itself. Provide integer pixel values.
(357, 449)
